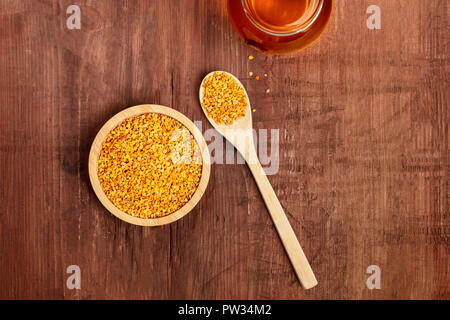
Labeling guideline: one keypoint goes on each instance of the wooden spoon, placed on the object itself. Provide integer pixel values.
(240, 134)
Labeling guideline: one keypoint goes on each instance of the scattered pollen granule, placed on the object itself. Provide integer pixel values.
(224, 99)
(250, 57)
(149, 166)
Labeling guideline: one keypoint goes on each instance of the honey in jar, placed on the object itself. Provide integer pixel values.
(279, 26)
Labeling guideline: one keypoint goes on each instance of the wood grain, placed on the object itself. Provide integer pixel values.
(363, 165)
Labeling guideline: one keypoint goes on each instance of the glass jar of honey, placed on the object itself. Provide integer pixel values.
(279, 26)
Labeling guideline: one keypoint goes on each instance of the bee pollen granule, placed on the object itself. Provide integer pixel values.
(147, 168)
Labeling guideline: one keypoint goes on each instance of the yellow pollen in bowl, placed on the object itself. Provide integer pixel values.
(149, 166)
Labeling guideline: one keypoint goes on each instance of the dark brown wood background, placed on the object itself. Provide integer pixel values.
(364, 155)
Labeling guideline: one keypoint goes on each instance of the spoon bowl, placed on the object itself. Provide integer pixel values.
(242, 123)
(240, 132)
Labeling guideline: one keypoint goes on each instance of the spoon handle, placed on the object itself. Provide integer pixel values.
(287, 235)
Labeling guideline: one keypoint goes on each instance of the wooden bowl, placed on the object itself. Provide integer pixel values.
(114, 122)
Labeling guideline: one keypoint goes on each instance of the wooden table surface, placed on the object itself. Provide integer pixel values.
(363, 153)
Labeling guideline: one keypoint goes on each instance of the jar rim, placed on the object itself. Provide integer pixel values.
(301, 28)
